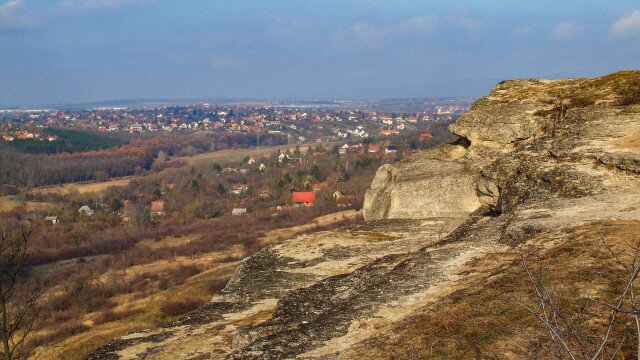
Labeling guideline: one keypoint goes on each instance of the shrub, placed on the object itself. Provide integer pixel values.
(110, 315)
(179, 307)
(64, 331)
(217, 285)
(628, 92)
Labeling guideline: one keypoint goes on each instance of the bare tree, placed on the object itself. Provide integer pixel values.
(19, 305)
(563, 338)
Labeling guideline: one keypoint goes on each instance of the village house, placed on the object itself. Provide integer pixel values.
(425, 136)
(157, 208)
(390, 149)
(373, 149)
(305, 198)
(337, 195)
(238, 189)
(389, 132)
(51, 219)
(85, 210)
(281, 157)
(343, 150)
(238, 211)
(135, 127)
(262, 167)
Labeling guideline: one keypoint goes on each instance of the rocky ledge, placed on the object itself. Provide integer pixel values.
(536, 162)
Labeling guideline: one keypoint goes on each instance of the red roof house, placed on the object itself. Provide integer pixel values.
(304, 198)
(157, 207)
(389, 132)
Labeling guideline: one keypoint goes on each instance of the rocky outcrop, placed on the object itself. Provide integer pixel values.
(433, 185)
(542, 163)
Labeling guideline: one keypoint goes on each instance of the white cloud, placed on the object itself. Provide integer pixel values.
(568, 30)
(627, 25)
(422, 25)
(9, 7)
(14, 16)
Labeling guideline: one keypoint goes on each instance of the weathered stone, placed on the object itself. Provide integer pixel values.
(324, 295)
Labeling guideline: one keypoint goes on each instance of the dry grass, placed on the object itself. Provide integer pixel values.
(631, 142)
(9, 203)
(376, 235)
(617, 88)
(168, 242)
(484, 320)
(239, 154)
(83, 188)
(199, 288)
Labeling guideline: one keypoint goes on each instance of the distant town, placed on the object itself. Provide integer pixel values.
(299, 124)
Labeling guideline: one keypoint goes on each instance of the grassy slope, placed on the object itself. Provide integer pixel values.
(485, 320)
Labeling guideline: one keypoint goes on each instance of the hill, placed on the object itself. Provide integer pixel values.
(510, 242)
(63, 140)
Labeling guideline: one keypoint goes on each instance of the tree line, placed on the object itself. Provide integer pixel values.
(23, 169)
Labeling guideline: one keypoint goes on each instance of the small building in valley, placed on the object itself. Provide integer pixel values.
(390, 149)
(238, 211)
(85, 210)
(157, 207)
(305, 198)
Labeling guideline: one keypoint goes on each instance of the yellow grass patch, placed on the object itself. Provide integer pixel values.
(8, 203)
(169, 241)
(81, 345)
(83, 188)
(631, 142)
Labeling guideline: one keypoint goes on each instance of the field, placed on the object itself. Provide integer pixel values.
(239, 154)
(98, 186)
(8, 203)
(83, 188)
(137, 311)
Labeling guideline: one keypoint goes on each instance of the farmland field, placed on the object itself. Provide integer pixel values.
(98, 186)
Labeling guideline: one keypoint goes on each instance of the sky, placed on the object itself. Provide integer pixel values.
(77, 51)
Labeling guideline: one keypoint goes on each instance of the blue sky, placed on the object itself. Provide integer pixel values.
(74, 51)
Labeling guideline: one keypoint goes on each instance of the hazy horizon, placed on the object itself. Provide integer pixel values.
(74, 52)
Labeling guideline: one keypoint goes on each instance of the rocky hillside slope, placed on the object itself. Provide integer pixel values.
(549, 170)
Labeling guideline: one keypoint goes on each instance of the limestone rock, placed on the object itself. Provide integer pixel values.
(338, 294)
